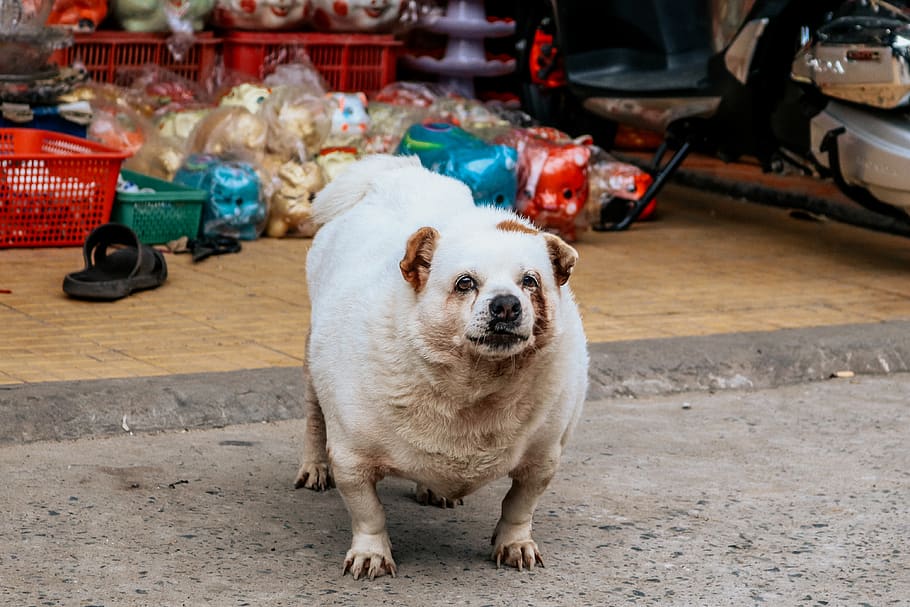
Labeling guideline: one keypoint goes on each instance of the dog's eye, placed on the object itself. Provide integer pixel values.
(464, 284)
(529, 281)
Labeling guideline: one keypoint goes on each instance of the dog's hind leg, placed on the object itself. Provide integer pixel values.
(314, 470)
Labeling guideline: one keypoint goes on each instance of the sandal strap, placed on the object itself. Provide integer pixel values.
(101, 238)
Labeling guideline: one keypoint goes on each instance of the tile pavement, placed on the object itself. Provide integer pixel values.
(707, 265)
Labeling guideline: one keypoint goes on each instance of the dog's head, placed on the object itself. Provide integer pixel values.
(492, 292)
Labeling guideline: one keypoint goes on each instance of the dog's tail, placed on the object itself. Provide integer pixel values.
(352, 184)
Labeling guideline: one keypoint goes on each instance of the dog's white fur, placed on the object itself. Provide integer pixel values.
(415, 370)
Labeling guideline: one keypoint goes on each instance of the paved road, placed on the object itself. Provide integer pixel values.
(796, 495)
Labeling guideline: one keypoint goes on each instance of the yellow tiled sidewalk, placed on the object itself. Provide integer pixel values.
(706, 265)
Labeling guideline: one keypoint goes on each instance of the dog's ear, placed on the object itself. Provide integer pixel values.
(563, 257)
(415, 266)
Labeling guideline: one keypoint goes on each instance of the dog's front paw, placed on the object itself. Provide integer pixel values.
(513, 546)
(315, 476)
(426, 497)
(370, 555)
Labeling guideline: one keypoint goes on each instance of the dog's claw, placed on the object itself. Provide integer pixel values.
(371, 566)
(314, 476)
(427, 497)
(520, 555)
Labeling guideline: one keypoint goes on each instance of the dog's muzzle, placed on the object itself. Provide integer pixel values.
(503, 330)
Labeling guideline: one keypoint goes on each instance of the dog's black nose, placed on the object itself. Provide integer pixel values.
(505, 308)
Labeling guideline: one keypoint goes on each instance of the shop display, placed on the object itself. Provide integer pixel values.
(261, 142)
(488, 169)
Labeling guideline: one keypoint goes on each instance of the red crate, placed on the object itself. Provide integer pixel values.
(107, 54)
(54, 188)
(348, 62)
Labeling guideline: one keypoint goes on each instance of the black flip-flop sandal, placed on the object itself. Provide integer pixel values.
(113, 272)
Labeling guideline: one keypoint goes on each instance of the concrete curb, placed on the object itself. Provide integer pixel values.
(84, 409)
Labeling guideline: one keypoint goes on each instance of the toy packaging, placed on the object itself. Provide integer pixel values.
(488, 169)
(298, 122)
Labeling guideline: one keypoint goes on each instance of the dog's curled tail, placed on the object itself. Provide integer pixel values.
(352, 184)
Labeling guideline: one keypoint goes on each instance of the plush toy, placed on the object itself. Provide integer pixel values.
(161, 15)
(291, 202)
(488, 169)
(356, 15)
(334, 160)
(230, 131)
(247, 95)
(81, 15)
(552, 178)
(261, 14)
(234, 206)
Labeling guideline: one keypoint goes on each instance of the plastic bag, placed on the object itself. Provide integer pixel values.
(230, 132)
(235, 205)
(297, 121)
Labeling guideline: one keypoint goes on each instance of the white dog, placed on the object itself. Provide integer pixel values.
(445, 347)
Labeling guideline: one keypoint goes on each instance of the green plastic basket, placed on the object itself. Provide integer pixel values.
(171, 211)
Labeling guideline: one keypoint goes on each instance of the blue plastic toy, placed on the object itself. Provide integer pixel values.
(234, 206)
(490, 170)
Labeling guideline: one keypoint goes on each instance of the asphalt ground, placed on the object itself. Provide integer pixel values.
(796, 495)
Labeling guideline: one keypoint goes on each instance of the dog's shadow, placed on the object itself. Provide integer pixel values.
(421, 535)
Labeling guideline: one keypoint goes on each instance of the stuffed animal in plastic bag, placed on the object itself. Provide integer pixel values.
(161, 15)
(235, 205)
(488, 169)
(552, 177)
(259, 15)
(291, 202)
(81, 15)
(356, 15)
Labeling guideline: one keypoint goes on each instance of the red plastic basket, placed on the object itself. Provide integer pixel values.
(54, 188)
(349, 62)
(107, 54)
